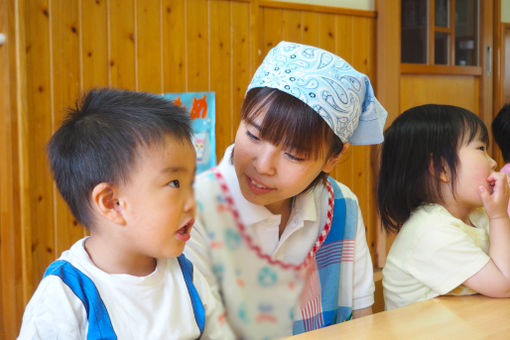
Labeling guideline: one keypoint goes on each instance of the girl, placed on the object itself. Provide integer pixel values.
(435, 177)
(284, 244)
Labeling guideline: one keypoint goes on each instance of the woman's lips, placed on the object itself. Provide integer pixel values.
(257, 187)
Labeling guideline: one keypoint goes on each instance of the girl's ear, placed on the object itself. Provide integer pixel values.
(444, 175)
(332, 161)
(106, 203)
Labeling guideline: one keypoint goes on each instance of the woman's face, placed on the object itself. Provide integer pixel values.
(270, 175)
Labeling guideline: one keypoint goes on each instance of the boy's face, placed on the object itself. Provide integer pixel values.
(157, 202)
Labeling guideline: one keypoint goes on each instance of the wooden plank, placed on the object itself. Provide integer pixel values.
(315, 8)
(344, 48)
(11, 298)
(271, 23)
(94, 44)
(243, 66)
(65, 59)
(197, 49)
(121, 28)
(148, 46)
(310, 26)
(424, 89)
(292, 26)
(174, 46)
(220, 17)
(37, 206)
(327, 33)
(344, 37)
(387, 88)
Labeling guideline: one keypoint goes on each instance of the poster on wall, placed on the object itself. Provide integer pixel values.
(201, 107)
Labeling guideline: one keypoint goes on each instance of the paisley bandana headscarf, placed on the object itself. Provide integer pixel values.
(342, 96)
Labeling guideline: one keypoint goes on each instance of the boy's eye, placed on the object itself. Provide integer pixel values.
(174, 184)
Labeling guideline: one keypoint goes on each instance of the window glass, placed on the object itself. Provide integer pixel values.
(441, 48)
(414, 31)
(442, 13)
(466, 32)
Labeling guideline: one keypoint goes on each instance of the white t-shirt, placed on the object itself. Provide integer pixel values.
(306, 222)
(433, 254)
(156, 306)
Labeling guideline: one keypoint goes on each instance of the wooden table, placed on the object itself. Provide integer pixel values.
(469, 317)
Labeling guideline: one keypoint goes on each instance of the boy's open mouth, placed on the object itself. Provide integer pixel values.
(183, 233)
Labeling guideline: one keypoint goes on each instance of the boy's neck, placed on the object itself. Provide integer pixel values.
(114, 259)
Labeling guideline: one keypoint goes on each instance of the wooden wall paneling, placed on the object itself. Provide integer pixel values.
(344, 48)
(361, 171)
(197, 48)
(271, 20)
(292, 26)
(65, 59)
(453, 90)
(310, 28)
(220, 16)
(122, 35)
(344, 37)
(243, 67)
(327, 33)
(36, 188)
(94, 44)
(387, 90)
(11, 299)
(148, 46)
(174, 46)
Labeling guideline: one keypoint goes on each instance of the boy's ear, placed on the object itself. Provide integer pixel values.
(106, 203)
(332, 161)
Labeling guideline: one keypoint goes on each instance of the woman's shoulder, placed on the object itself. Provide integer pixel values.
(343, 189)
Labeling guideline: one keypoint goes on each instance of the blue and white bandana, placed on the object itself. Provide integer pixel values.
(342, 96)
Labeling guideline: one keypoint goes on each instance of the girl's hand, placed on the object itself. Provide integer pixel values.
(495, 202)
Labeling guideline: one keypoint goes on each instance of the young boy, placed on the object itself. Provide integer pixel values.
(125, 164)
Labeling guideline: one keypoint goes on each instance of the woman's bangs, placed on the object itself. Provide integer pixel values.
(296, 126)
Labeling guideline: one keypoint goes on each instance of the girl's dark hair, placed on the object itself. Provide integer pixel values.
(501, 131)
(422, 139)
(290, 122)
(99, 141)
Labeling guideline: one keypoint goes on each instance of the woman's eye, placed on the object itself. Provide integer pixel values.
(482, 148)
(294, 158)
(252, 136)
(174, 184)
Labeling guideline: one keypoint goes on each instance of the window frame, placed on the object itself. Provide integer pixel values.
(451, 68)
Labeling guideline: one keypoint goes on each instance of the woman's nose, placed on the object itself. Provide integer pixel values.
(266, 159)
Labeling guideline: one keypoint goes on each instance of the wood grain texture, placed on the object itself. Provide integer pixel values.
(461, 91)
(448, 317)
(121, 42)
(94, 44)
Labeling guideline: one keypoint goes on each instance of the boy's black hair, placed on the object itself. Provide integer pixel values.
(501, 131)
(292, 123)
(421, 140)
(99, 139)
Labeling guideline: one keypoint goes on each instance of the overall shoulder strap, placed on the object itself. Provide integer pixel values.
(100, 326)
(198, 307)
